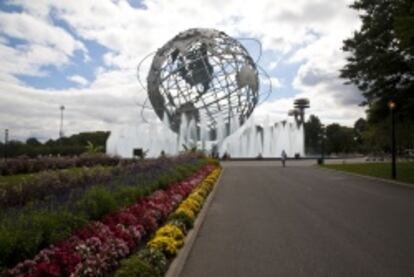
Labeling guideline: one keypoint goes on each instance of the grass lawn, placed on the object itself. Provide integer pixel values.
(405, 170)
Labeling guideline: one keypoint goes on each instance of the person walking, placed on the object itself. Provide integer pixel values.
(283, 158)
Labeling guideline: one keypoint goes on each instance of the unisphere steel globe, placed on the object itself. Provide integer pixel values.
(206, 76)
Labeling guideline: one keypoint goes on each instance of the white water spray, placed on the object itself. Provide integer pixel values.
(249, 141)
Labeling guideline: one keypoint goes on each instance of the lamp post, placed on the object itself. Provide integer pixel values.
(392, 106)
(6, 140)
(323, 144)
(62, 108)
(322, 137)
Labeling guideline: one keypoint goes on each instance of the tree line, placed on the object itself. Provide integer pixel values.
(65, 146)
(380, 62)
(363, 137)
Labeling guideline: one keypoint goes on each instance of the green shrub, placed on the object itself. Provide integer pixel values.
(17, 245)
(55, 226)
(165, 180)
(128, 195)
(147, 263)
(179, 223)
(96, 203)
(183, 218)
(33, 231)
(213, 161)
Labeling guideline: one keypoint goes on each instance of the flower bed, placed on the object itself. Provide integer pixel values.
(97, 247)
(24, 231)
(26, 165)
(62, 183)
(153, 259)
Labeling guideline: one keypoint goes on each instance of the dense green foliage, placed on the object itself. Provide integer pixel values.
(147, 263)
(313, 131)
(73, 145)
(31, 231)
(382, 170)
(97, 202)
(363, 138)
(381, 64)
(338, 139)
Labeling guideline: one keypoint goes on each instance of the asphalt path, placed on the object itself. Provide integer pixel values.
(304, 221)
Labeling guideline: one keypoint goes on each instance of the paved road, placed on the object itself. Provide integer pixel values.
(304, 221)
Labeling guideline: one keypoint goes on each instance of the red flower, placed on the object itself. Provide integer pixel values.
(47, 269)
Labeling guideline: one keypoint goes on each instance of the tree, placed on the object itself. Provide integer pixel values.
(33, 142)
(380, 61)
(360, 126)
(301, 104)
(73, 145)
(92, 149)
(295, 113)
(313, 129)
(339, 139)
(404, 27)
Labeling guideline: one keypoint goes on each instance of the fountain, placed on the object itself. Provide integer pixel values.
(204, 86)
(249, 141)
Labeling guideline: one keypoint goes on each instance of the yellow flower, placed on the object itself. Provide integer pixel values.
(170, 238)
(167, 245)
(197, 198)
(189, 213)
(191, 205)
(171, 231)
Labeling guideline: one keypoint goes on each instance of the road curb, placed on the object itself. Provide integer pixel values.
(391, 182)
(178, 263)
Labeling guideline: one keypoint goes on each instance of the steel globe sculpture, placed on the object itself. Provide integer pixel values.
(206, 76)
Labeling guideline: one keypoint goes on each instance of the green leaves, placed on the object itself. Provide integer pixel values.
(378, 62)
(33, 230)
(96, 203)
(147, 263)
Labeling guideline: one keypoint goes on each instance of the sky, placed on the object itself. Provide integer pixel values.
(84, 55)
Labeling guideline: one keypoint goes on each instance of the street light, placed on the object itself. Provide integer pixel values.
(322, 137)
(6, 139)
(62, 108)
(392, 106)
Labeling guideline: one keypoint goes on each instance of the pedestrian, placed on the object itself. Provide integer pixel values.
(283, 158)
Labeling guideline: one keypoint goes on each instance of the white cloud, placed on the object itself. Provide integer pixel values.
(318, 79)
(27, 60)
(274, 81)
(27, 111)
(307, 32)
(43, 45)
(272, 65)
(78, 80)
(34, 30)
